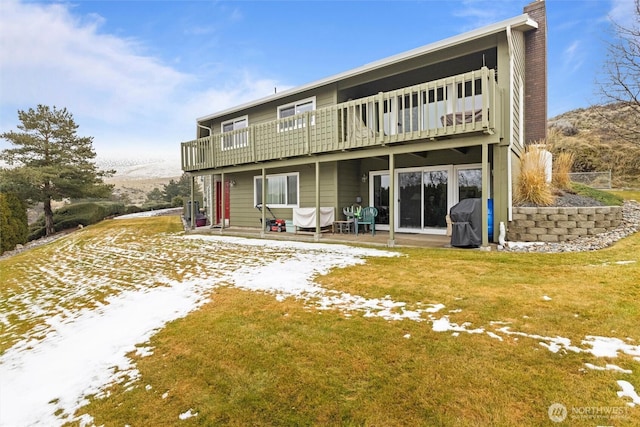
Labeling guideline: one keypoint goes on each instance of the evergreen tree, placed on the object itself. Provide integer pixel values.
(51, 161)
(155, 195)
(182, 188)
(14, 229)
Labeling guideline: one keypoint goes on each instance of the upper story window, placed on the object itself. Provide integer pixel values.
(291, 110)
(233, 135)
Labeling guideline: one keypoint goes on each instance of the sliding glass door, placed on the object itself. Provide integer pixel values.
(409, 200)
(380, 196)
(424, 195)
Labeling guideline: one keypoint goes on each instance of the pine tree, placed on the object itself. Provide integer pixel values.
(51, 161)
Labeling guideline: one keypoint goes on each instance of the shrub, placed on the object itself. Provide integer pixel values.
(13, 222)
(177, 201)
(564, 126)
(131, 209)
(532, 186)
(562, 165)
(85, 213)
(155, 205)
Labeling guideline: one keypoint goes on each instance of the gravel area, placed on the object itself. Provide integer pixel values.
(570, 200)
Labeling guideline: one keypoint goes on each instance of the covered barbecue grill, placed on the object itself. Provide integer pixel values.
(466, 227)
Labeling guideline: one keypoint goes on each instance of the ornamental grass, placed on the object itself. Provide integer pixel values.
(532, 186)
(562, 165)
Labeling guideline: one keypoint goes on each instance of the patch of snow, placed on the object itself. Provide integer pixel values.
(443, 325)
(522, 244)
(608, 367)
(81, 354)
(144, 351)
(628, 391)
(188, 414)
(493, 335)
(553, 344)
(609, 347)
(147, 214)
(434, 308)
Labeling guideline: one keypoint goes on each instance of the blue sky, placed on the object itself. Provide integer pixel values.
(136, 74)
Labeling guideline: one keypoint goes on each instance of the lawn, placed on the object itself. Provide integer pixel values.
(403, 337)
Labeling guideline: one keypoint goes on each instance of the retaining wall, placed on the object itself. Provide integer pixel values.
(559, 224)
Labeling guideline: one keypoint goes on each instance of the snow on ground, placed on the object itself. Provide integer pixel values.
(148, 214)
(89, 306)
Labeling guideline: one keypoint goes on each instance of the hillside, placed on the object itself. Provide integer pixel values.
(135, 177)
(590, 134)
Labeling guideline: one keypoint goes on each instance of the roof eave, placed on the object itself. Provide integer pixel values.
(520, 23)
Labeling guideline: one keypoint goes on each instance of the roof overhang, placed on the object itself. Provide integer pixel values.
(519, 23)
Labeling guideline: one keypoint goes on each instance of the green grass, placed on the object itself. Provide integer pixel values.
(247, 359)
(605, 197)
(627, 194)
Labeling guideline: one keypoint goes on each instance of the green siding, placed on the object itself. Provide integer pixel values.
(243, 212)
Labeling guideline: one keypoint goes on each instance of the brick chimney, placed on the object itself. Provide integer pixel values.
(535, 83)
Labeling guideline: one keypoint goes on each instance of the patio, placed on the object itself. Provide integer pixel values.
(363, 238)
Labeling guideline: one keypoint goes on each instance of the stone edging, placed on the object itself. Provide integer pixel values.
(561, 224)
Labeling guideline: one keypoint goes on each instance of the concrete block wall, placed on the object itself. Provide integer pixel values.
(560, 224)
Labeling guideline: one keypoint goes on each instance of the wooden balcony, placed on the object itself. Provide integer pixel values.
(455, 106)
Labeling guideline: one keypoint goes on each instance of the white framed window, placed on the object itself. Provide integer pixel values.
(468, 179)
(282, 190)
(232, 134)
(291, 110)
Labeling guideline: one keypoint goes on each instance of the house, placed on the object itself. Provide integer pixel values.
(411, 135)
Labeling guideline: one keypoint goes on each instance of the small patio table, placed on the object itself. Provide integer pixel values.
(343, 226)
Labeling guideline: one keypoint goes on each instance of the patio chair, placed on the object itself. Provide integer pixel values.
(367, 217)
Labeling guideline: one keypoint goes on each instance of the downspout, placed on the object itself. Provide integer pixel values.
(223, 205)
(211, 182)
(318, 233)
(263, 210)
(192, 205)
(509, 165)
(392, 200)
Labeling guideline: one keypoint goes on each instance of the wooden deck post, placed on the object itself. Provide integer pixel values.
(485, 194)
(392, 201)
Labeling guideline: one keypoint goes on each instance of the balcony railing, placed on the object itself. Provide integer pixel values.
(457, 105)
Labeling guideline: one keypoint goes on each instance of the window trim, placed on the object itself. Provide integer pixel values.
(282, 127)
(236, 141)
(286, 205)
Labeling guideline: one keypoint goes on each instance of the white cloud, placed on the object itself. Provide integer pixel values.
(573, 57)
(479, 13)
(622, 12)
(117, 93)
(50, 56)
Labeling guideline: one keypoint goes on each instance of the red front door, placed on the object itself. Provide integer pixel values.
(219, 193)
